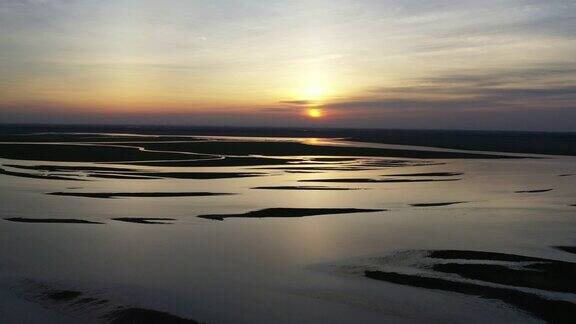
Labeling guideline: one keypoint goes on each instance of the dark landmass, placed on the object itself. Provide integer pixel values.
(86, 153)
(367, 180)
(497, 141)
(569, 249)
(425, 174)
(63, 295)
(481, 255)
(50, 220)
(136, 175)
(398, 163)
(37, 176)
(134, 315)
(438, 204)
(568, 175)
(140, 220)
(512, 273)
(290, 212)
(120, 176)
(94, 308)
(551, 311)
(137, 194)
(228, 161)
(550, 275)
(247, 148)
(533, 191)
(68, 168)
(199, 175)
(303, 188)
(331, 159)
(323, 168)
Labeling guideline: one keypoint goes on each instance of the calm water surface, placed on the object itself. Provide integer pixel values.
(279, 270)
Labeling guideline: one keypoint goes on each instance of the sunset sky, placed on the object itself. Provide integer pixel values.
(505, 64)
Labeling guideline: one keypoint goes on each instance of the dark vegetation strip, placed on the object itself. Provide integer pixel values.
(85, 153)
(143, 220)
(481, 255)
(137, 315)
(37, 176)
(551, 311)
(51, 220)
(551, 276)
(425, 174)
(67, 168)
(300, 149)
(438, 204)
(367, 180)
(199, 175)
(290, 212)
(569, 249)
(533, 191)
(137, 194)
(556, 143)
(303, 188)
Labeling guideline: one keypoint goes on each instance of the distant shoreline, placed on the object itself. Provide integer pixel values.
(547, 143)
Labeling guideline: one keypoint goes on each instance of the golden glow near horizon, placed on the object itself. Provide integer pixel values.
(315, 113)
(257, 60)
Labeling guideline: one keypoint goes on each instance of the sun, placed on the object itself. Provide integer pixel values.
(315, 113)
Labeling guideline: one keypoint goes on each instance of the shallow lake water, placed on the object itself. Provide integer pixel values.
(282, 270)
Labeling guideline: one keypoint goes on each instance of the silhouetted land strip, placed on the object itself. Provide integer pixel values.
(322, 168)
(498, 141)
(302, 188)
(85, 153)
(63, 295)
(145, 316)
(568, 175)
(290, 212)
(247, 148)
(551, 311)
(481, 255)
(199, 175)
(37, 176)
(95, 309)
(68, 168)
(426, 174)
(438, 204)
(549, 275)
(138, 194)
(228, 161)
(368, 180)
(569, 249)
(533, 191)
(514, 272)
(51, 220)
(142, 220)
(120, 176)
